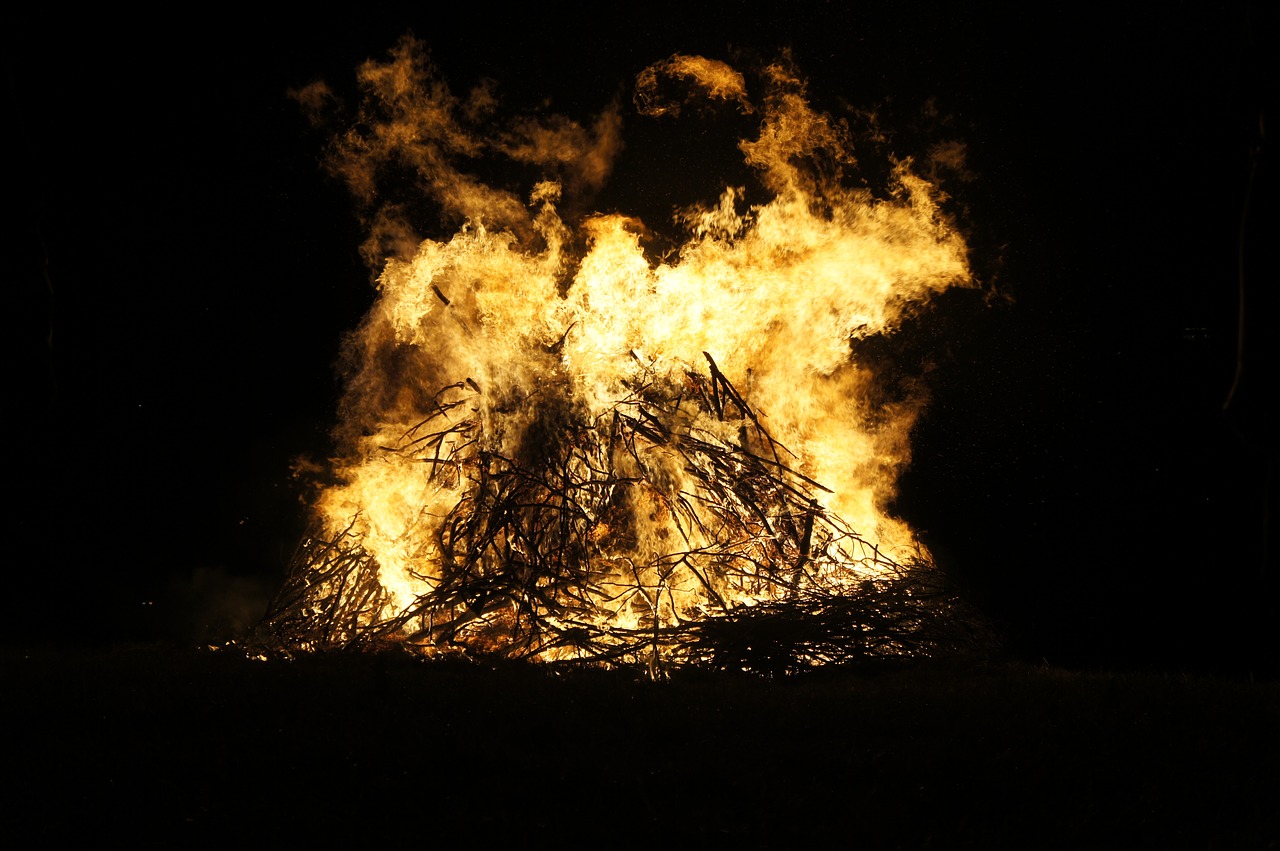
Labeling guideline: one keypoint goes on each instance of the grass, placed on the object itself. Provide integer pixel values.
(161, 746)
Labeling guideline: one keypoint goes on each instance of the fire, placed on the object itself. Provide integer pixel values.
(557, 446)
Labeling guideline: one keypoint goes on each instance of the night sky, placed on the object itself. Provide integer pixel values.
(185, 271)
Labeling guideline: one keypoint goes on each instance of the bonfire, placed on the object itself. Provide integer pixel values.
(556, 446)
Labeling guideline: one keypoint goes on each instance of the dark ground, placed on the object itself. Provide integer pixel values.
(153, 747)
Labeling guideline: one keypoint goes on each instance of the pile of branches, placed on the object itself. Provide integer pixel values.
(909, 614)
(549, 552)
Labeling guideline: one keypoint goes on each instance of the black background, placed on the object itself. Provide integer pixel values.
(184, 272)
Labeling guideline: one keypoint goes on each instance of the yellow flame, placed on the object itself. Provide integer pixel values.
(524, 302)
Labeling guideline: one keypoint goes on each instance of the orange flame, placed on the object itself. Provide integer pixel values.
(527, 307)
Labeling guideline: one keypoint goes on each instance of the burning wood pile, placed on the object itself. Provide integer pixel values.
(556, 448)
(538, 557)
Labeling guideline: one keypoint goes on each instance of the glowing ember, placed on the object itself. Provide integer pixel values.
(555, 446)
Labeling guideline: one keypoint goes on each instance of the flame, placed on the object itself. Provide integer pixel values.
(541, 357)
